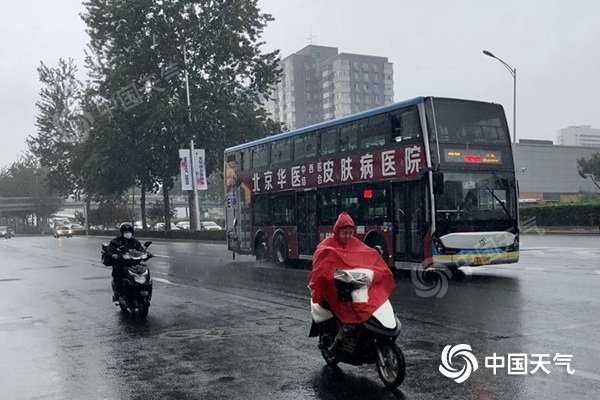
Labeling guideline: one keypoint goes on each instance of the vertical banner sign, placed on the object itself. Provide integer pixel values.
(186, 169)
(200, 169)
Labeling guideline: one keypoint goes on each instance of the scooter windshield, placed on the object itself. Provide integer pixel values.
(353, 284)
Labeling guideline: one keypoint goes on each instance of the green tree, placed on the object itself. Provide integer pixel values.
(59, 124)
(26, 178)
(142, 53)
(590, 168)
(156, 212)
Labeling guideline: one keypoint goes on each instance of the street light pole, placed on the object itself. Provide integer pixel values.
(192, 150)
(513, 72)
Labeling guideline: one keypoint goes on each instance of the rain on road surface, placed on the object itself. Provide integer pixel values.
(224, 329)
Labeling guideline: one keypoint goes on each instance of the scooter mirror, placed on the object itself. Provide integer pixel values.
(148, 243)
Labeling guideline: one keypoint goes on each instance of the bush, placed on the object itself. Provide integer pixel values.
(570, 214)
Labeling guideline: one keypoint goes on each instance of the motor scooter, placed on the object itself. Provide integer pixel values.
(137, 282)
(370, 342)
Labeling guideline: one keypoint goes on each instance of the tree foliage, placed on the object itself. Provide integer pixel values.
(590, 168)
(142, 54)
(59, 124)
(110, 214)
(26, 178)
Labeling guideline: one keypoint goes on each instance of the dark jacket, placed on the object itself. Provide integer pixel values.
(128, 244)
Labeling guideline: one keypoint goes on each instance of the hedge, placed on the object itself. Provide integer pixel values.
(218, 236)
(557, 214)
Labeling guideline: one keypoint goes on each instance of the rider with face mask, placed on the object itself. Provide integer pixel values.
(128, 242)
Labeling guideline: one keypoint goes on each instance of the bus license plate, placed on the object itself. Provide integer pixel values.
(483, 260)
(144, 293)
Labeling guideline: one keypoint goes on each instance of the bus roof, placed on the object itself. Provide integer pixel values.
(327, 124)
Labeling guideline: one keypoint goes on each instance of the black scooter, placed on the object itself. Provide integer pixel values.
(371, 342)
(137, 283)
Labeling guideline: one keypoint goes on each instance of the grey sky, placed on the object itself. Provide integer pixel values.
(436, 47)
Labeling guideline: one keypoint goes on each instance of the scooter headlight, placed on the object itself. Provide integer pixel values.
(139, 278)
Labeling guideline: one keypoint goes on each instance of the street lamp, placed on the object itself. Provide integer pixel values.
(513, 72)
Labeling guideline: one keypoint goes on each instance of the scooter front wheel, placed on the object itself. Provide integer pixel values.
(144, 310)
(328, 356)
(391, 365)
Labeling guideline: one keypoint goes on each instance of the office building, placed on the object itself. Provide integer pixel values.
(548, 172)
(580, 135)
(319, 84)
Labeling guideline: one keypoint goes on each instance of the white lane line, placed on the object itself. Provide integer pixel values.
(168, 282)
(534, 269)
(585, 253)
(588, 375)
(161, 256)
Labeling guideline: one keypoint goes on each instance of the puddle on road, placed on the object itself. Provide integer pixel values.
(220, 333)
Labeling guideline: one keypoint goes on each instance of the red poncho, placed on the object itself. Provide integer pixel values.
(333, 255)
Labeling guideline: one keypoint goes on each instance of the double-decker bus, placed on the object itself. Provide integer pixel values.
(429, 181)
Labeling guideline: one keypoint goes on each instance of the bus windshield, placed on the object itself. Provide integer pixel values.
(470, 122)
(477, 200)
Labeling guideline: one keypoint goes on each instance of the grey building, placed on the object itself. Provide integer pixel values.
(550, 171)
(318, 84)
(580, 135)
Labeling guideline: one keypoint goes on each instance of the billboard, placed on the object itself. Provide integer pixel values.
(185, 167)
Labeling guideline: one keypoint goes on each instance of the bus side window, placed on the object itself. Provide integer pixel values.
(281, 151)
(305, 146)
(329, 141)
(348, 137)
(260, 156)
(245, 160)
(405, 125)
(329, 207)
(372, 132)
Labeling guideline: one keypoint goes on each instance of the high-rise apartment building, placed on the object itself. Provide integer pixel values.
(580, 135)
(319, 84)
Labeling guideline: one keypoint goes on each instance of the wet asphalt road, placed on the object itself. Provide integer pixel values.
(223, 329)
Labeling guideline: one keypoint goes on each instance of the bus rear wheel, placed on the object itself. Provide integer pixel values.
(280, 251)
(379, 244)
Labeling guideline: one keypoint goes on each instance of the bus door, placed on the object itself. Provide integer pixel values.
(308, 235)
(408, 210)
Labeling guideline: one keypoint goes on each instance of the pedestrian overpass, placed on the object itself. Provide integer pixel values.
(13, 204)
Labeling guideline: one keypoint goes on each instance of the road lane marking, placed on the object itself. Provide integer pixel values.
(168, 282)
(588, 375)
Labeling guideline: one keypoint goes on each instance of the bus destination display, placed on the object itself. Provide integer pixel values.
(473, 156)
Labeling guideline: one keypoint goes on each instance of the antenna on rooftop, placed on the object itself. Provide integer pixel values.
(311, 36)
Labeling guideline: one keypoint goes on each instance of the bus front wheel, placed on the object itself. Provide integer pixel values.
(280, 251)
(260, 248)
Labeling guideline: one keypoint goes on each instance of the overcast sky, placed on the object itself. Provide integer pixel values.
(435, 46)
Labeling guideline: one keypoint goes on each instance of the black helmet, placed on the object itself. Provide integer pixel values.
(126, 227)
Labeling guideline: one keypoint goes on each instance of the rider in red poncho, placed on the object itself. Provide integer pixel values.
(341, 252)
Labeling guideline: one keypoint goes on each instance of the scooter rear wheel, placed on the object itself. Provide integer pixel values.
(391, 365)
